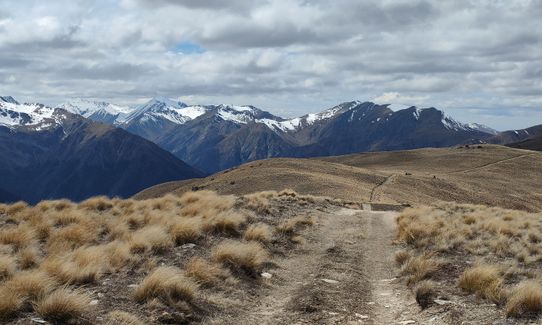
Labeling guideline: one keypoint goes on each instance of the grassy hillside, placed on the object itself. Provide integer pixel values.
(469, 253)
(174, 260)
(488, 174)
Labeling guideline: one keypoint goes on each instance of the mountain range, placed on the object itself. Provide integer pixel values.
(50, 153)
(83, 148)
(217, 137)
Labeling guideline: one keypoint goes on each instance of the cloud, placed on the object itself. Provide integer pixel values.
(289, 56)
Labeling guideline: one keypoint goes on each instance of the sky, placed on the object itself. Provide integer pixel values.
(480, 61)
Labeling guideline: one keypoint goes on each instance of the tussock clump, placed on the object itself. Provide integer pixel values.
(419, 268)
(69, 238)
(154, 238)
(118, 317)
(227, 223)
(204, 272)
(184, 230)
(248, 257)
(19, 236)
(167, 284)
(32, 285)
(525, 300)
(425, 293)
(28, 257)
(99, 204)
(484, 280)
(289, 227)
(10, 303)
(63, 305)
(401, 257)
(8, 266)
(258, 232)
(15, 208)
(259, 202)
(205, 203)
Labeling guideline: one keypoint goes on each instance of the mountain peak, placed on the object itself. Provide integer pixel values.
(9, 99)
(165, 101)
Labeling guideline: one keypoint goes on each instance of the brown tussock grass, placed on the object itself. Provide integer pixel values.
(419, 268)
(63, 305)
(204, 272)
(484, 280)
(10, 303)
(98, 204)
(31, 285)
(8, 266)
(167, 284)
(226, 223)
(19, 237)
(258, 232)
(118, 317)
(290, 226)
(425, 293)
(525, 300)
(401, 257)
(185, 230)
(155, 238)
(28, 257)
(248, 257)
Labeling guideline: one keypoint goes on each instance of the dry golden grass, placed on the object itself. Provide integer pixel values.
(248, 257)
(505, 244)
(289, 227)
(484, 280)
(425, 293)
(31, 285)
(167, 284)
(63, 305)
(118, 317)
(419, 268)
(525, 300)
(204, 272)
(155, 238)
(401, 257)
(258, 232)
(185, 230)
(8, 266)
(10, 303)
(54, 252)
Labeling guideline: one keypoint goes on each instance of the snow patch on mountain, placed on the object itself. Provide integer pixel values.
(13, 114)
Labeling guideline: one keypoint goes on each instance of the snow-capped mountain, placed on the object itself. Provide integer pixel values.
(50, 153)
(96, 110)
(38, 116)
(215, 137)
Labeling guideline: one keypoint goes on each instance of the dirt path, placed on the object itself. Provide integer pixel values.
(343, 275)
(375, 192)
(490, 164)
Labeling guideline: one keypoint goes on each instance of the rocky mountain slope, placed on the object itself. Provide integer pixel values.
(217, 137)
(530, 138)
(51, 153)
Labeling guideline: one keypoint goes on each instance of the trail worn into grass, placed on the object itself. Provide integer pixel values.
(344, 274)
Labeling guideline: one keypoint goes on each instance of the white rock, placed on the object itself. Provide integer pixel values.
(38, 320)
(330, 281)
(267, 275)
(188, 246)
(133, 285)
(100, 295)
(360, 316)
(94, 302)
(442, 302)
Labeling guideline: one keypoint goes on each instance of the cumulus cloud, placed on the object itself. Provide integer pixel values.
(479, 60)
